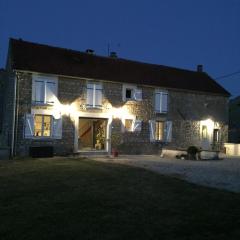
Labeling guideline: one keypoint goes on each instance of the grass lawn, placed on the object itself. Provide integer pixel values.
(82, 199)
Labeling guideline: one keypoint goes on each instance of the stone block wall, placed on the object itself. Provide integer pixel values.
(185, 111)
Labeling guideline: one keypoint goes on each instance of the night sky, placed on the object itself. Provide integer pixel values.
(178, 33)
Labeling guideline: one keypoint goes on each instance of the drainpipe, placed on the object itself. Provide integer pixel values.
(17, 116)
(14, 116)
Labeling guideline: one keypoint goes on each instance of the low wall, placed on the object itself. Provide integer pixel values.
(172, 153)
(4, 153)
(232, 149)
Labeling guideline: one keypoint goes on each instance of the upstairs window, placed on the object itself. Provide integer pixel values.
(44, 90)
(94, 95)
(161, 102)
(131, 92)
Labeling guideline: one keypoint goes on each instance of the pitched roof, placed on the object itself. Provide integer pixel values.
(54, 60)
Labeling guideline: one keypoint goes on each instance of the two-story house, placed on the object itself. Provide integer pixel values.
(77, 101)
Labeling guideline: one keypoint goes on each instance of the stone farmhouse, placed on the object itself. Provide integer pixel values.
(78, 102)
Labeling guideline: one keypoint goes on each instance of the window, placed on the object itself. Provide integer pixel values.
(159, 130)
(204, 132)
(131, 92)
(94, 95)
(161, 102)
(128, 125)
(215, 135)
(44, 89)
(40, 126)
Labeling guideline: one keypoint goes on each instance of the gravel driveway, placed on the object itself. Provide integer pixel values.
(222, 174)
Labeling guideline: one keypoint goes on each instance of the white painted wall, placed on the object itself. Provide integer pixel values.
(232, 149)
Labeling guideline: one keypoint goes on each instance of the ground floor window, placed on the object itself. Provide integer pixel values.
(128, 125)
(159, 130)
(216, 135)
(204, 132)
(42, 126)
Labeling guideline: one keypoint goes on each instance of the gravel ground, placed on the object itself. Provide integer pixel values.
(222, 174)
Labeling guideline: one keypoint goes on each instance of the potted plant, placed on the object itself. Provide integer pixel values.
(116, 141)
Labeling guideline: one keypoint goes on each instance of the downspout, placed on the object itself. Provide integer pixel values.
(17, 116)
(14, 116)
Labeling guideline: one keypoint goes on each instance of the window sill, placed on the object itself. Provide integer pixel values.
(42, 104)
(98, 108)
(158, 112)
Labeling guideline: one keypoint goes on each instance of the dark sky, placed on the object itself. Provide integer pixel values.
(179, 33)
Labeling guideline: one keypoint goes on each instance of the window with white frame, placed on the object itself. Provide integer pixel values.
(161, 101)
(128, 124)
(132, 125)
(160, 131)
(131, 92)
(44, 89)
(94, 95)
(42, 126)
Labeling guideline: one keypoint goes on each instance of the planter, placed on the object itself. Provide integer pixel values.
(4, 153)
(115, 153)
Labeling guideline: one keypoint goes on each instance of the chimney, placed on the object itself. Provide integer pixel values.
(113, 54)
(200, 68)
(90, 51)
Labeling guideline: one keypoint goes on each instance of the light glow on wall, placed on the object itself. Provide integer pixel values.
(121, 113)
(206, 129)
(63, 109)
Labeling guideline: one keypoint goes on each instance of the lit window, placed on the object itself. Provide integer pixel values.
(204, 131)
(159, 131)
(128, 124)
(44, 90)
(42, 125)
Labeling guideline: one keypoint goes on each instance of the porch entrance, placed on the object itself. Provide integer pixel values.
(92, 134)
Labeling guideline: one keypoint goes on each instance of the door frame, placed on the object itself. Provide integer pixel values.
(105, 116)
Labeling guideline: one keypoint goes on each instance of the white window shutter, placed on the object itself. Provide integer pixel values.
(57, 128)
(157, 102)
(50, 92)
(39, 91)
(164, 102)
(29, 126)
(98, 95)
(90, 95)
(152, 128)
(168, 131)
(137, 126)
(138, 94)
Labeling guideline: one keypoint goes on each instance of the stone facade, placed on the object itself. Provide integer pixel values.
(185, 109)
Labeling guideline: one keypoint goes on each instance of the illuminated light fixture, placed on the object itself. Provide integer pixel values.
(209, 123)
(120, 113)
(207, 127)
